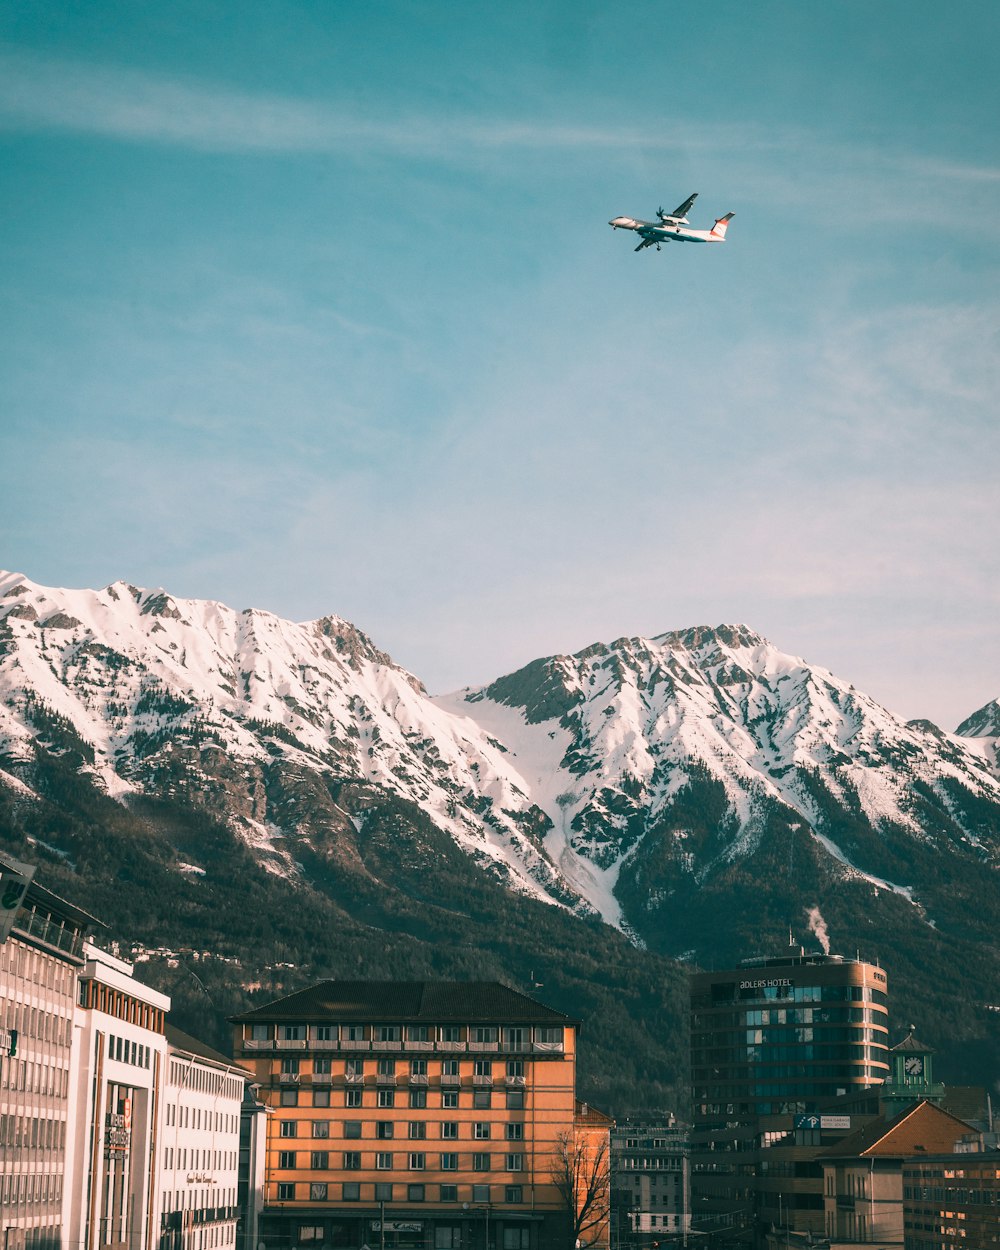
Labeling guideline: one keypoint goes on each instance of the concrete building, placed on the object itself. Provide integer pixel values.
(198, 1141)
(775, 1043)
(414, 1114)
(651, 1180)
(863, 1174)
(952, 1202)
(41, 952)
(120, 1050)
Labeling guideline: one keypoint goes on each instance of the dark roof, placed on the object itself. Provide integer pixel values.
(184, 1041)
(909, 1042)
(402, 1002)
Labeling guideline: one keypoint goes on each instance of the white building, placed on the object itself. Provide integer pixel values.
(119, 1054)
(651, 1174)
(41, 951)
(198, 1146)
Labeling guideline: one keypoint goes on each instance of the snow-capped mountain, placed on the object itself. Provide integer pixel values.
(620, 781)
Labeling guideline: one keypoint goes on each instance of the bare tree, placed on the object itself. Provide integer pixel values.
(581, 1172)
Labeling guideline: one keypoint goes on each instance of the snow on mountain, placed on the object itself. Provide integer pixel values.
(982, 732)
(563, 777)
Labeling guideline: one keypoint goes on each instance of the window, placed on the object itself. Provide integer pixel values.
(292, 1032)
(286, 1159)
(351, 1191)
(414, 1193)
(481, 1130)
(352, 1160)
(317, 1191)
(289, 1098)
(322, 1067)
(418, 1098)
(483, 1033)
(417, 1161)
(386, 1097)
(514, 1193)
(290, 1066)
(449, 1193)
(549, 1036)
(480, 1193)
(387, 1067)
(321, 1128)
(384, 1129)
(483, 1067)
(514, 1163)
(260, 1032)
(449, 1130)
(352, 1128)
(417, 1033)
(352, 1097)
(449, 1067)
(383, 1161)
(480, 1163)
(383, 1191)
(418, 1067)
(325, 1032)
(515, 1100)
(319, 1160)
(513, 1037)
(447, 1238)
(311, 1232)
(515, 1132)
(321, 1097)
(482, 1098)
(449, 1033)
(449, 1099)
(515, 1068)
(286, 1191)
(288, 1128)
(387, 1033)
(449, 1163)
(515, 1238)
(418, 1130)
(354, 1067)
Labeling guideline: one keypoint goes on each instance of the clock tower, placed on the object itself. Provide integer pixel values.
(911, 1076)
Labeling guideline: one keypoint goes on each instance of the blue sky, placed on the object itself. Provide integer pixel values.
(314, 307)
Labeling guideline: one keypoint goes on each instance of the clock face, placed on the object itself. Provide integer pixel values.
(914, 1065)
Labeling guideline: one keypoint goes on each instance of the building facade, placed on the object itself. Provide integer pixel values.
(651, 1180)
(114, 1106)
(952, 1202)
(774, 1044)
(41, 952)
(422, 1115)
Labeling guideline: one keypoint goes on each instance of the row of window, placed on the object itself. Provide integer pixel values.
(35, 1022)
(202, 1157)
(388, 1161)
(43, 1188)
(416, 1130)
(511, 1036)
(446, 1236)
(448, 1099)
(350, 1191)
(25, 963)
(27, 1076)
(193, 1076)
(124, 1050)
(23, 1132)
(387, 1066)
(201, 1118)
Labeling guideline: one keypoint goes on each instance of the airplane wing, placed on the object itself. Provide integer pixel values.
(682, 210)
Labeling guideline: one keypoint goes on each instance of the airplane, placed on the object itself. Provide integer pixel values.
(673, 227)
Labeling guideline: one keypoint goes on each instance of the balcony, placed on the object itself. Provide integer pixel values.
(385, 1078)
(450, 1078)
(354, 1078)
(418, 1078)
(258, 1043)
(355, 1044)
(288, 1043)
(316, 1043)
(387, 1045)
(548, 1048)
(449, 1046)
(514, 1082)
(481, 1080)
(424, 1045)
(482, 1047)
(321, 1078)
(288, 1078)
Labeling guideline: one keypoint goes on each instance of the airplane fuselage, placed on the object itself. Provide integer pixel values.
(666, 231)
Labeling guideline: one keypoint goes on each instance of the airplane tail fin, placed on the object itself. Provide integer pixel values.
(718, 231)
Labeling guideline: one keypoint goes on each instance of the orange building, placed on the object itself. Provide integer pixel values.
(414, 1115)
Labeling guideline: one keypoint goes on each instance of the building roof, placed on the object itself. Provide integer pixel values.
(177, 1039)
(402, 1002)
(584, 1113)
(917, 1130)
(910, 1043)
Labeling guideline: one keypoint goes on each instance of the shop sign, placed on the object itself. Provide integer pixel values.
(398, 1226)
(835, 1121)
